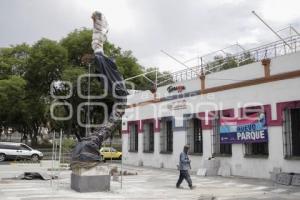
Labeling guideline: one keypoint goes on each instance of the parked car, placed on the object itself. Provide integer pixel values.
(9, 150)
(108, 153)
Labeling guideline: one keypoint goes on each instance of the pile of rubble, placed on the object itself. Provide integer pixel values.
(115, 172)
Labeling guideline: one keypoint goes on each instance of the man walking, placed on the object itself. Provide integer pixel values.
(184, 167)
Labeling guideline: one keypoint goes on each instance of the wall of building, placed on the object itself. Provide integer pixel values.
(270, 93)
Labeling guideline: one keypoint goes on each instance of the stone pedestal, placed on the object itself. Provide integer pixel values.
(96, 179)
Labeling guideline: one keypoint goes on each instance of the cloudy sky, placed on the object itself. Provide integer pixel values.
(184, 29)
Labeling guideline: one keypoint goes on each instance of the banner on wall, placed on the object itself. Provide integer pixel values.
(252, 129)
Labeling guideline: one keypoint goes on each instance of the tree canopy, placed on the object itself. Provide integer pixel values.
(27, 72)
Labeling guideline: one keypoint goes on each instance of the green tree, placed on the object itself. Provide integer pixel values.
(12, 86)
(78, 43)
(46, 62)
(13, 60)
(26, 74)
(12, 94)
(71, 74)
(246, 59)
(222, 63)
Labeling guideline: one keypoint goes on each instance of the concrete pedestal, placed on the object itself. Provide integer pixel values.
(96, 179)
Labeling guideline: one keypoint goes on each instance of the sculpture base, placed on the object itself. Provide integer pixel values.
(96, 179)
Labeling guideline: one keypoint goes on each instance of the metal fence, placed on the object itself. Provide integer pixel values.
(48, 155)
(216, 61)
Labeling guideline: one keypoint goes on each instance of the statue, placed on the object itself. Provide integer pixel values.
(86, 152)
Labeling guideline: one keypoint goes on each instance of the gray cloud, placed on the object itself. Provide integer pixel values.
(183, 28)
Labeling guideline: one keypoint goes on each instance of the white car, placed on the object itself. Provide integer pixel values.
(9, 150)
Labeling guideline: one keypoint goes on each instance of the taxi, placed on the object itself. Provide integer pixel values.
(108, 153)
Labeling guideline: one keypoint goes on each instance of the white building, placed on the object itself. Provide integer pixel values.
(156, 126)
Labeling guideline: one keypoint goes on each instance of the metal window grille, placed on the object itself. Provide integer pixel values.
(257, 148)
(151, 142)
(291, 132)
(198, 138)
(217, 147)
(295, 118)
(225, 149)
(216, 136)
(166, 136)
(261, 148)
(169, 136)
(133, 137)
(189, 134)
(194, 135)
(148, 137)
(287, 133)
(163, 135)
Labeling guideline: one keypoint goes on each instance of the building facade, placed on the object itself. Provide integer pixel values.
(157, 125)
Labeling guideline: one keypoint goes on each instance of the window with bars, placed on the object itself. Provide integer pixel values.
(194, 135)
(166, 136)
(148, 137)
(291, 132)
(256, 149)
(133, 137)
(218, 148)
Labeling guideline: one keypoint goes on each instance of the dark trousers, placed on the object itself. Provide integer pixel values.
(184, 174)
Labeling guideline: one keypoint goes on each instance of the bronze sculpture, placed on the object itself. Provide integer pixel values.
(86, 152)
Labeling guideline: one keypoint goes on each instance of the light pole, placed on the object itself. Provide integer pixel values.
(87, 129)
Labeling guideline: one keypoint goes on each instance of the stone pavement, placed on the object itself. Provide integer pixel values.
(150, 183)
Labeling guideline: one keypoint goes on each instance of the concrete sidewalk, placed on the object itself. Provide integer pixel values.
(148, 184)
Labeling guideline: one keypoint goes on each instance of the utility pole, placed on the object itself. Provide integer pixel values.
(87, 128)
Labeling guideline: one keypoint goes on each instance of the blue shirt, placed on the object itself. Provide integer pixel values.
(184, 162)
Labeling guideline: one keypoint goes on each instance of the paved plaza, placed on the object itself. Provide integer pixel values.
(150, 183)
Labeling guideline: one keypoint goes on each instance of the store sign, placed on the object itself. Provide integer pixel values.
(178, 88)
(178, 105)
(252, 129)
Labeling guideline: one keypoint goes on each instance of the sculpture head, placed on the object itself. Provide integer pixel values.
(97, 16)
